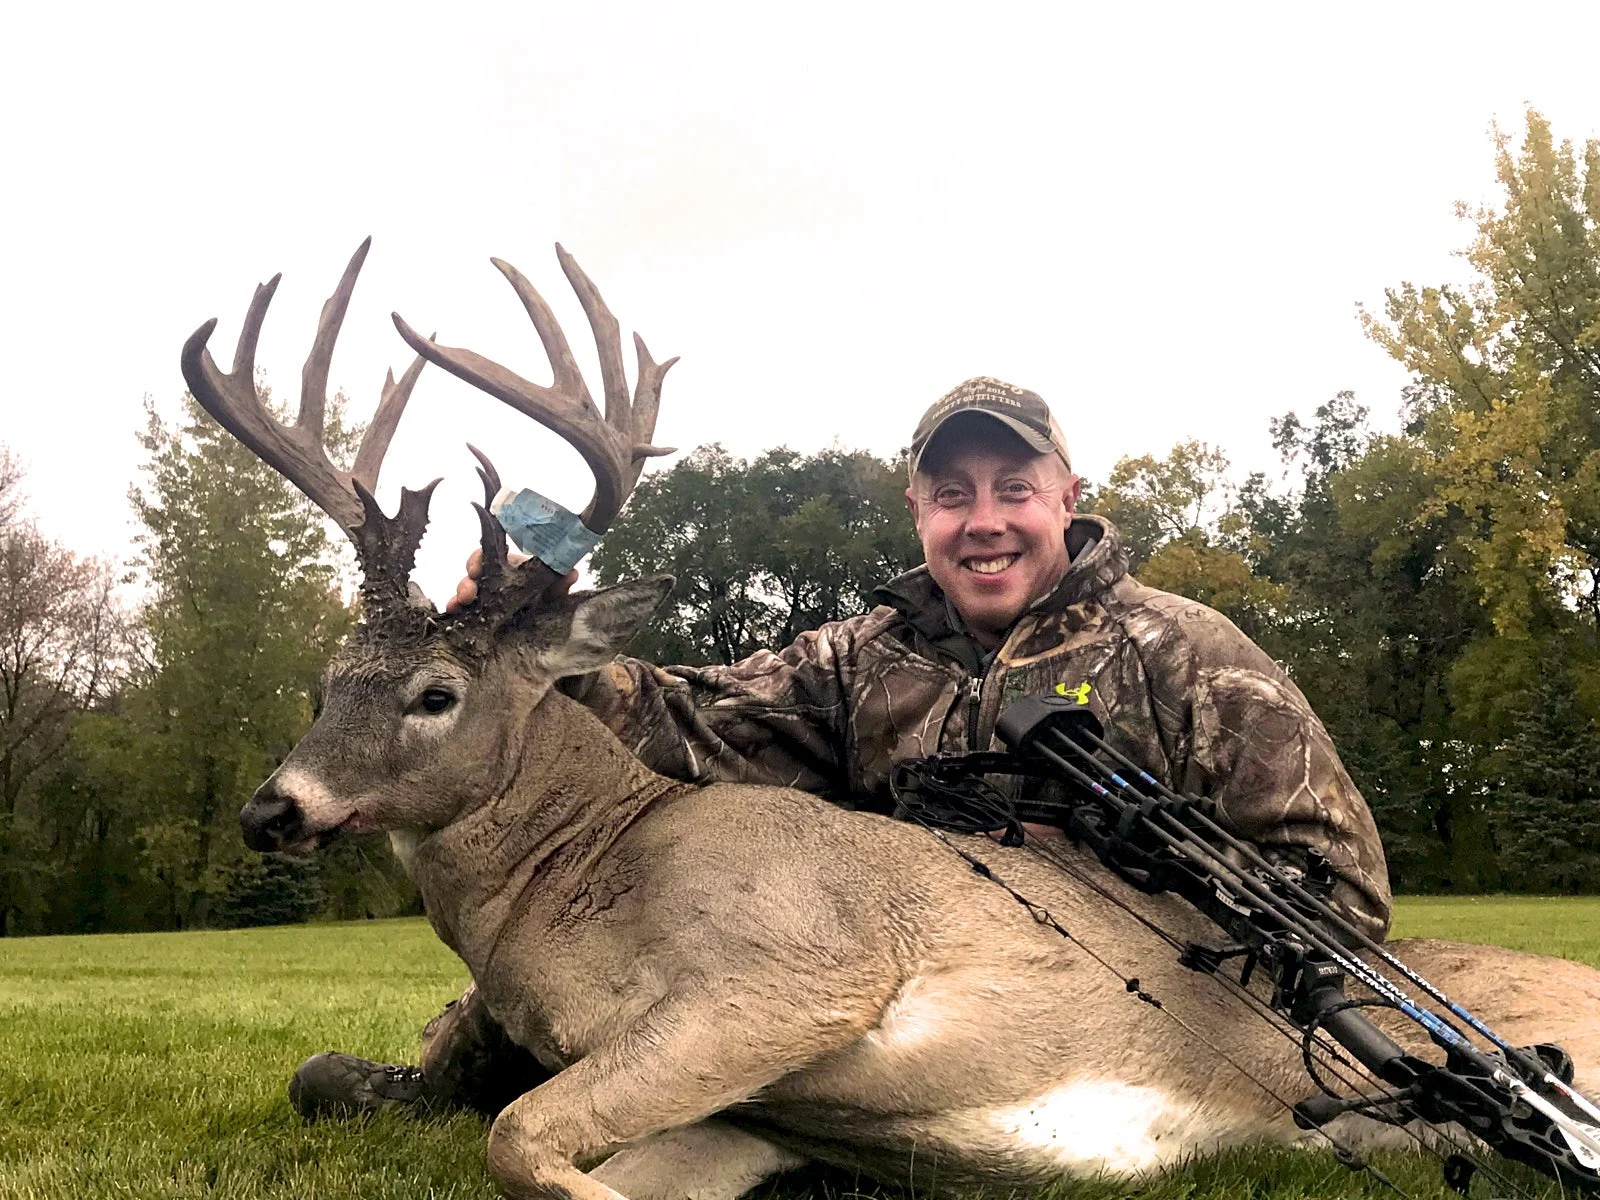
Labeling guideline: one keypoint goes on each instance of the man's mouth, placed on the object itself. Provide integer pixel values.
(989, 566)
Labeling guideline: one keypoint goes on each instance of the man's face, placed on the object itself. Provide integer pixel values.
(992, 516)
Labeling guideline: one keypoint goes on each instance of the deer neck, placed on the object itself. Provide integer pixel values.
(569, 791)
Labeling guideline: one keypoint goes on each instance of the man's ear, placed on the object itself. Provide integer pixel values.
(603, 623)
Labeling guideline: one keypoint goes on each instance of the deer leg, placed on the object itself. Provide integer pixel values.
(711, 1160)
(680, 1064)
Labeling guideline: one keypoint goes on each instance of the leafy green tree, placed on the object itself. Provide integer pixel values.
(244, 611)
(1375, 617)
(762, 550)
(1505, 443)
(1179, 519)
(1153, 501)
(1511, 366)
(88, 812)
(841, 527)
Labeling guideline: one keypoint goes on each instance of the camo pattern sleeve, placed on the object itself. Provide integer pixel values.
(775, 718)
(1248, 739)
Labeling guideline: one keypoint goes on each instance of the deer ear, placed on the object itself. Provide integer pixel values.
(604, 622)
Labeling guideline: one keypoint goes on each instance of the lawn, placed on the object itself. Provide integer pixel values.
(153, 1065)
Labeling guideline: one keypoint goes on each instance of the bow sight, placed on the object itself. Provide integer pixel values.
(1279, 923)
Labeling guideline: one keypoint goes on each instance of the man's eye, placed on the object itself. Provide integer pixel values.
(435, 700)
(949, 496)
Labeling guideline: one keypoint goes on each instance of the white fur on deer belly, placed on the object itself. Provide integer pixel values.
(1093, 1125)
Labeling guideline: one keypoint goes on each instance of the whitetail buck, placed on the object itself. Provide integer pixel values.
(728, 980)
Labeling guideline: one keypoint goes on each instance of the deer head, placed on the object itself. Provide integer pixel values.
(423, 710)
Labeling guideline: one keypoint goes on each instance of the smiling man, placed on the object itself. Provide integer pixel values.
(1019, 596)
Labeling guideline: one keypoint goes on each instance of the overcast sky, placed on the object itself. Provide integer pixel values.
(1161, 217)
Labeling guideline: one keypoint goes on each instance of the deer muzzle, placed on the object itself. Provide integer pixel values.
(271, 820)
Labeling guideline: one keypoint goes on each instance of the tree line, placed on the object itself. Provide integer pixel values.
(1435, 591)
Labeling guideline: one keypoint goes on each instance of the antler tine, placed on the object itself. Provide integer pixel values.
(492, 534)
(487, 473)
(607, 341)
(314, 375)
(493, 540)
(244, 352)
(635, 419)
(568, 376)
(646, 404)
(387, 546)
(375, 443)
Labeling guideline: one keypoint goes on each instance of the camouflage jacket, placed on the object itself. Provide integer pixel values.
(1183, 692)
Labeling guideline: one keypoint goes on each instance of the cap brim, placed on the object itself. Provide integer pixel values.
(1036, 441)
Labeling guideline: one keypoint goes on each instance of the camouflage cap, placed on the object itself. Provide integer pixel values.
(1023, 412)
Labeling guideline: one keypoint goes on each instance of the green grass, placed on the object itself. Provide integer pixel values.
(154, 1065)
(1568, 927)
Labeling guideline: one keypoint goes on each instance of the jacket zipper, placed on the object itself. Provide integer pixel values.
(995, 668)
(977, 712)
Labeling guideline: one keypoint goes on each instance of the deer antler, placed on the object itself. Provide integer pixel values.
(385, 547)
(614, 446)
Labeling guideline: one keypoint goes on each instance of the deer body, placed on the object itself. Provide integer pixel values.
(726, 980)
(842, 986)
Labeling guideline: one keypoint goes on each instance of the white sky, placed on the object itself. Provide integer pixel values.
(1158, 216)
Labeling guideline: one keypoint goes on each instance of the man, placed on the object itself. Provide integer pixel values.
(1018, 596)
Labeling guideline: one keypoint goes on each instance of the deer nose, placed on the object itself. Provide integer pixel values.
(268, 819)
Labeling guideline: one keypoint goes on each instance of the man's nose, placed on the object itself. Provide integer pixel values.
(987, 517)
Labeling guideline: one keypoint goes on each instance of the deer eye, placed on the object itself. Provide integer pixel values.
(435, 700)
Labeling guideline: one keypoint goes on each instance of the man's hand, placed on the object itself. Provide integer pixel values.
(467, 589)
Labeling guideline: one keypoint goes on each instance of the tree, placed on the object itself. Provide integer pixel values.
(1178, 520)
(1153, 501)
(761, 550)
(1505, 432)
(10, 487)
(841, 527)
(244, 612)
(60, 638)
(1375, 617)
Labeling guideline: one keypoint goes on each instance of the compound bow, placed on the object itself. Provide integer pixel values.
(1279, 921)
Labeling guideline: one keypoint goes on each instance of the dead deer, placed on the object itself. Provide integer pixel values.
(727, 980)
